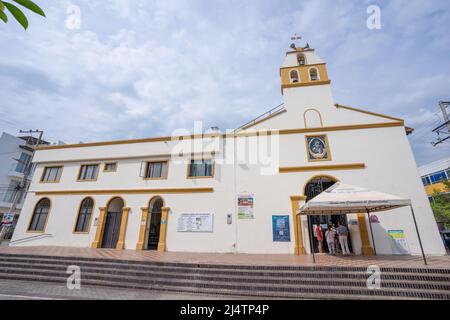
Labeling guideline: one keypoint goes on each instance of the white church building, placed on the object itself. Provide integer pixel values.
(238, 191)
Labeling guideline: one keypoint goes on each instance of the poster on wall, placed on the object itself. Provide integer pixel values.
(281, 231)
(245, 206)
(399, 244)
(8, 219)
(195, 222)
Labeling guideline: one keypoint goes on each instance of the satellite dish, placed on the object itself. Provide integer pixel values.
(292, 46)
(307, 46)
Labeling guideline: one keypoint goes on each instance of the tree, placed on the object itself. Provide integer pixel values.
(17, 13)
(441, 204)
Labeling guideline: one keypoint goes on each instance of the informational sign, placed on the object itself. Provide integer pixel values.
(195, 222)
(281, 231)
(399, 243)
(245, 206)
(8, 219)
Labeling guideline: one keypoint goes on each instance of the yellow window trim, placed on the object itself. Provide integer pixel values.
(46, 219)
(213, 165)
(45, 170)
(88, 164)
(157, 161)
(108, 163)
(78, 215)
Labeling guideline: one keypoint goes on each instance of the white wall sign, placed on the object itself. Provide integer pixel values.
(399, 244)
(195, 222)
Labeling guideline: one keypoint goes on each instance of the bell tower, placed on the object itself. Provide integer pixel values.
(302, 68)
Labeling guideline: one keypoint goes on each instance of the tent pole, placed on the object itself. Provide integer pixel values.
(418, 235)
(371, 232)
(311, 246)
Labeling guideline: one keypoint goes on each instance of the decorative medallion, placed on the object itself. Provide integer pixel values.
(318, 148)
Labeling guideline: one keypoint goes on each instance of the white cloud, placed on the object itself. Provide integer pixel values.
(144, 68)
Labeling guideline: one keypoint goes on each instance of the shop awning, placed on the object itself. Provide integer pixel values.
(343, 199)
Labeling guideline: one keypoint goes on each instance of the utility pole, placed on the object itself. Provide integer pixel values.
(444, 128)
(22, 188)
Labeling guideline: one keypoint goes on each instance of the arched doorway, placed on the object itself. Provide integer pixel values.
(113, 223)
(313, 188)
(154, 225)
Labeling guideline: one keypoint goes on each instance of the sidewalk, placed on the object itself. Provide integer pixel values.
(441, 262)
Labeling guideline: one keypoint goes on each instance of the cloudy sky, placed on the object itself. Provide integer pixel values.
(143, 68)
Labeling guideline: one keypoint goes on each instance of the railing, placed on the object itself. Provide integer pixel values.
(32, 238)
(264, 115)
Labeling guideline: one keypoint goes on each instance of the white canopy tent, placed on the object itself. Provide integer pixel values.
(345, 199)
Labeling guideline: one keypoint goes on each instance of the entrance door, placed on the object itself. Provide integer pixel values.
(112, 230)
(312, 190)
(155, 223)
(113, 221)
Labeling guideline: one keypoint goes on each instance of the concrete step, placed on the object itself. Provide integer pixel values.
(199, 275)
(171, 271)
(424, 269)
(297, 282)
(237, 288)
(397, 280)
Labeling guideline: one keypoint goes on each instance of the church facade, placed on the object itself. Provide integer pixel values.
(233, 192)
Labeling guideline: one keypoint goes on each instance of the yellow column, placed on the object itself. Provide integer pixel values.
(123, 228)
(100, 227)
(143, 228)
(163, 229)
(299, 248)
(366, 248)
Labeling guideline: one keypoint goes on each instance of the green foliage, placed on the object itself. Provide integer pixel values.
(17, 13)
(441, 205)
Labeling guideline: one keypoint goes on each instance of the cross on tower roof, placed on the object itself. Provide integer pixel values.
(295, 38)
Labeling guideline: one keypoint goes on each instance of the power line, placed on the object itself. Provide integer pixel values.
(444, 128)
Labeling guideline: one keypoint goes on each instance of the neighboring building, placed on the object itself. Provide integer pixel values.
(15, 158)
(433, 174)
(187, 194)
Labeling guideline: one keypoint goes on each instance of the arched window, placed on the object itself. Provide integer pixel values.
(313, 74)
(294, 76)
(40, 215)
(84, 216)
(301, 59)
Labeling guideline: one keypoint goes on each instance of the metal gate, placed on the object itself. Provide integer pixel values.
(112, 230)
(155, 225)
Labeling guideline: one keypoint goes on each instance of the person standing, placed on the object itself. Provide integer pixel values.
(330, 236)
(342, 232)
(319, 237)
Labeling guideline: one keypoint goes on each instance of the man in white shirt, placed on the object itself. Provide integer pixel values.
(342, 232)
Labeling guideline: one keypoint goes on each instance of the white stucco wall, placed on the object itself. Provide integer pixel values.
(389, 167)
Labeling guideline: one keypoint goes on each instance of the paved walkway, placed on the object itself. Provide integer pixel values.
(234, 259)
(27, 290)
